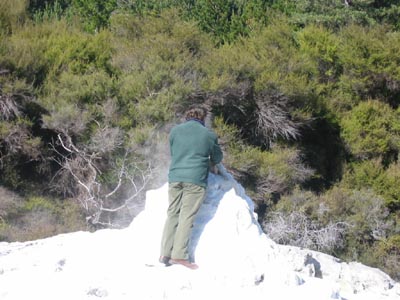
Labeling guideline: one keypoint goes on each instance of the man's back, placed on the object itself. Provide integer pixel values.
(192, 146)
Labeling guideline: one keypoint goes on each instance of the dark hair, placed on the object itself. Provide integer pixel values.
(197, 112)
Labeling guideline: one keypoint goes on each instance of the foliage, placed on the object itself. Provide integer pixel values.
(95, 14)
(40, 5)
(386, 254)
(226, 20)
(157, 66)
(298, 220)
(48, 10)
(373, 174)
(147, 7)
(372, 129)
(322, 46)
(268, 174)
(36, 217)
(369, 220)
(48, 49)
(344, 222)
(20, 145)
(390, 188)
(298, 230)
(12, 15)
(370, 67)
(390, 14)
(332, 14)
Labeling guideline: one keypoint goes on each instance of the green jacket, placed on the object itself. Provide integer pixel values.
(192, 147)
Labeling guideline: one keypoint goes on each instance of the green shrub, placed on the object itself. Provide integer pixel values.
(369, 62)
(302, 201)
(68, 119)
(298, 219)
(366, 217)
(266, 173)
(10, 204)
(156, 66)
(82, 90)
(39, 204)
(389, 187)
(94, 14)
(37, 217)
(390, 15)
(77, 52)
(227, 20)
(43, 11)
(148, 7)
(20, 145)
(13, 13)
(268, 57)
(363, 174)
(371, 129)
(139, 136)
(162, 42)
(331, 14)
(321, 45)
(351, 221)
(386, 256)
(24, 54)
(49, 48)
(372, 174)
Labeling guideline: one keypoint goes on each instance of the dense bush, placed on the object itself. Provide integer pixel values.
(372, 129)
(12, 14)
(370, 69)
(266, 174)
(386, 255)
(226, 20)
(298, 220)
(36, 217)
(336, 14)
(348, 223)
(95, 14)
(373, 174)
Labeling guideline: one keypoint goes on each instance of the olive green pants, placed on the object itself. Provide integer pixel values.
(185, 200)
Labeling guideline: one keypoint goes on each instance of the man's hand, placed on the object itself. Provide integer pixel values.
(214, 169)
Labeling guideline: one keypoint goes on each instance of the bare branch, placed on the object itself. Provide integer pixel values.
(99, 200)
(297, 229)
(271, 118)
(9, 109)
(62, 144)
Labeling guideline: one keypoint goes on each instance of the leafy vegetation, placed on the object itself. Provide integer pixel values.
(304, 96)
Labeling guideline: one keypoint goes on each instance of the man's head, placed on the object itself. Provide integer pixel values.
(197, 112)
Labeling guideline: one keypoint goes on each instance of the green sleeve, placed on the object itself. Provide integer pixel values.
(216, 155)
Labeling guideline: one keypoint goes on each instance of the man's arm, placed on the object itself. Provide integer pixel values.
(216, 155)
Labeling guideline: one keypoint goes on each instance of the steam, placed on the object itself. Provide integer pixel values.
(156, 154)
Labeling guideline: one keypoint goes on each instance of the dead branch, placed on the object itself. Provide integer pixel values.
(98, 200)
(9, 109)
(298, 230)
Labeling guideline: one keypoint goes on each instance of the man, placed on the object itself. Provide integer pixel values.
(194, 148)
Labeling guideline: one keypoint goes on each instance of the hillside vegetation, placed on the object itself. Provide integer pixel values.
(304, 96)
